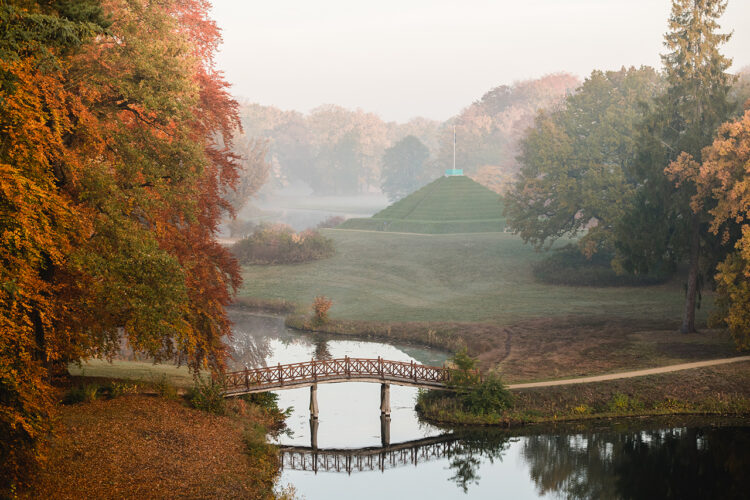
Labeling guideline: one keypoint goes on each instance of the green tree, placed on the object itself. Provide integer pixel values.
(403, 167)
(661, 230)
(576, 159)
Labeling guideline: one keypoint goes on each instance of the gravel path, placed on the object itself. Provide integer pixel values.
(636, 373)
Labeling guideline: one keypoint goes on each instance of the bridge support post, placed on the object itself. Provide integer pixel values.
(314, 401)
(385, 430)
(385, 399)
(314, 434)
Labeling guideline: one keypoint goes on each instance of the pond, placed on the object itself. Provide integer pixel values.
(636, 459)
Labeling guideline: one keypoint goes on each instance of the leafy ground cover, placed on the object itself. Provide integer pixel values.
(139, 446)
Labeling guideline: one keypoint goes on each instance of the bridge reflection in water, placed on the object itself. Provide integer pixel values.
(367, 459)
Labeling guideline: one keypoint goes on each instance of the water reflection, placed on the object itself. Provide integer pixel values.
(684, 462)
(667, 461)
(321, 350)
(349, 413)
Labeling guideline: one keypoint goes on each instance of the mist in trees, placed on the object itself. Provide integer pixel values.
(488, 131)
(404, 167)
(337, 151)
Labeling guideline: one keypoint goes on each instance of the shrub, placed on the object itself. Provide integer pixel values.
(321, 305)
(117, 389)
(164, 387)
(478, 397)
(279, 244)
(488, 397)
(207, 396)
(622, 403)
(331, 221)
(568, 266)
(266, 400)
(82, 394)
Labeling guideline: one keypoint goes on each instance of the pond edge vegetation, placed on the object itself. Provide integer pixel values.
(639, 397)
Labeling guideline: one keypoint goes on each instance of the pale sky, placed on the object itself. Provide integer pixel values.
(432, 58)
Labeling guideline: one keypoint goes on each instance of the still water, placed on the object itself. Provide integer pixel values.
(649, 459)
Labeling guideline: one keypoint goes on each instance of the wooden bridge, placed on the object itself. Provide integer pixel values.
(379, 370)
(366, 459)
(314, 372)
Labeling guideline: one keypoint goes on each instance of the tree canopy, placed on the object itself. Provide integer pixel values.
(722, 180)
(576, 160)
(115, 164)
(683, 119)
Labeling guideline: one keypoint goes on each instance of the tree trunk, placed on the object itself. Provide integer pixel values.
(688, 317)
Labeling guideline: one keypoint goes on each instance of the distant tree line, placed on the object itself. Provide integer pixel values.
(342, 152)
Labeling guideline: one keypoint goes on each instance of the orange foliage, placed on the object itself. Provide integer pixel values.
(321, 305)
(114, 159)
(723, 192)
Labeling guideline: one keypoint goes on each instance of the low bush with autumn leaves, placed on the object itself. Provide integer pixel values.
(280, 244)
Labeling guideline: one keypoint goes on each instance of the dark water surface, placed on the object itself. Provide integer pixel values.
(646, 459)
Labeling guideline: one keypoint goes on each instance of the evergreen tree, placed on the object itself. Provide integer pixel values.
(661, 229)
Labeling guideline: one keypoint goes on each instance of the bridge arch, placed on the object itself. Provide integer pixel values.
(346, 369)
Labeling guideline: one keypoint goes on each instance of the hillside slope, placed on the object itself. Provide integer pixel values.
(446, 205)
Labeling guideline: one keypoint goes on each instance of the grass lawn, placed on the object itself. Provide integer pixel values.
(446, 205)
(144, 371)
(483, 277)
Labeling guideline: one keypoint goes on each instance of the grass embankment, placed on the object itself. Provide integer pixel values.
(479, 291)
(141, 372)
(464, 278)
(719, 391)
(446, 205)
(126, 444)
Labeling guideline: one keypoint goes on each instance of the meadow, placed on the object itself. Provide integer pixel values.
(480, 277)
(444, 206)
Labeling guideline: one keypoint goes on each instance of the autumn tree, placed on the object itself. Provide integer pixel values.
(403, 167)
(576, 161)
(115, 159)
(661, 230)
(722, 183)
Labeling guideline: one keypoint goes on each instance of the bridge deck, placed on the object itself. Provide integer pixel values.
(294, 375)
(366, 459)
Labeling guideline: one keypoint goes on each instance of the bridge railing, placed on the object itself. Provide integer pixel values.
(336, 369)
(366, 459)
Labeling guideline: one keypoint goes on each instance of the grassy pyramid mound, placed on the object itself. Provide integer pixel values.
(447, 205)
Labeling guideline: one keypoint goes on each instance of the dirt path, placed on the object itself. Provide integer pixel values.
(636, 373)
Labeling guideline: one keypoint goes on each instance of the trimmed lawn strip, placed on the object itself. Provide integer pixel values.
(722, 390)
